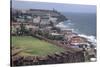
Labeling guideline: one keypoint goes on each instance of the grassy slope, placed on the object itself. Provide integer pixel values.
(34, 46)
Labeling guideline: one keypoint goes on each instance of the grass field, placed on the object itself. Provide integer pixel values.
(33, 46)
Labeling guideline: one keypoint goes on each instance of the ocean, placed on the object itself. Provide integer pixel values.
(82, 23)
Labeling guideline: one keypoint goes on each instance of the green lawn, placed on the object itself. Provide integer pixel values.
(34, 46)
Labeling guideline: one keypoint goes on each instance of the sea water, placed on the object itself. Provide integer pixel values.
(82, 23)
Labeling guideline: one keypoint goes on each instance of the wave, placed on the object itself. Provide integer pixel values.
(66, 24)
(61, 25)
(90, 38)
(69, 25)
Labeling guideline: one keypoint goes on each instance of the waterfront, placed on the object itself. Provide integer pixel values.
(70, 35)
(83, 23)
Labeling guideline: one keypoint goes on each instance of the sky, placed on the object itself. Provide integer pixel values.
(58, 6)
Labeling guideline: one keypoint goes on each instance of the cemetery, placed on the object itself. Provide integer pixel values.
(35, 40)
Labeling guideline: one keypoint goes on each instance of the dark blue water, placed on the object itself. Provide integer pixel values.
(83, 23)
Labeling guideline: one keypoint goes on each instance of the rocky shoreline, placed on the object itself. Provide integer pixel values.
(25, 23)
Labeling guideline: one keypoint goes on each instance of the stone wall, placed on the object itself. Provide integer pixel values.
(63, 57)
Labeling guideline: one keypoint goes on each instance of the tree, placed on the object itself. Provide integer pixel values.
(22, 29)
